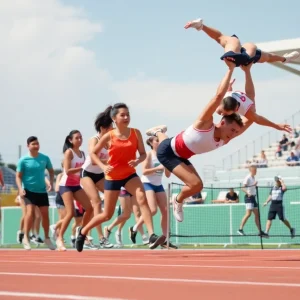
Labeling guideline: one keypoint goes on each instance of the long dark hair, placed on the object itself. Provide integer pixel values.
(68, 144)
(103, 119)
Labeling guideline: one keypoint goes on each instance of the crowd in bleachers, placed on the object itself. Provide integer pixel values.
(285, 152)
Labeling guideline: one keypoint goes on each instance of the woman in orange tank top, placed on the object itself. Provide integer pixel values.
(123, 142)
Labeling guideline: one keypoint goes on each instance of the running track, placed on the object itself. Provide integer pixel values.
(148, 275)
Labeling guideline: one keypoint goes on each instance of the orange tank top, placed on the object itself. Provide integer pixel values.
(120, 153)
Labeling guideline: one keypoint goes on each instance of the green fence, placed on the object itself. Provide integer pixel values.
(217, 224)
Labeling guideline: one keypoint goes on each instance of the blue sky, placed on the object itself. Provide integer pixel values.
(66, 60)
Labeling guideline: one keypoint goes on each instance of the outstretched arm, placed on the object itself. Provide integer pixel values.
(260, 120)
(249, 85)
(210, 108)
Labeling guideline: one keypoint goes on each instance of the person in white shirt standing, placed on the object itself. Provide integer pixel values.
(249, 188)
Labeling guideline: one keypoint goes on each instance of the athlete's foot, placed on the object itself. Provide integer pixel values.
(293, 232)
(165, 245)
(80, 239)
(264, 234)
(60, 245)
(20, 236)
(152, 131)
(49, 244)
(107, 232)
(197, 24)
(104, 243)
(53, 231)
(118, 237)
(26, 243)
(177, 209)
(132, 235)
(155, 241)
(289, 57)
(241, 232)
(145, 239)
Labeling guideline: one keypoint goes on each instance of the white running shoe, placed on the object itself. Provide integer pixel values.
(197, 24)
(152, 131)
(118, 237)
(177, 209)
(145, 239)
(26, 244)
(291, 56)
(53, 231)
(49, 244)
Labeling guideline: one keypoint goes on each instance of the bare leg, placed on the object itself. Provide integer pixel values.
(245, 218)
(268, 226)
(257, 221)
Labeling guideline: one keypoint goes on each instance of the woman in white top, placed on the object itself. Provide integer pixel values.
(92, 176)
(153, 172)
(69, 186)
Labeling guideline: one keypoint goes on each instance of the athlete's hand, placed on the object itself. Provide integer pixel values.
(285, 127)
(265, 204)
(49, 188)
(230, 85)
(107, 169)
(231, 64)
(246, 68)
(22, 193)
(133, 163)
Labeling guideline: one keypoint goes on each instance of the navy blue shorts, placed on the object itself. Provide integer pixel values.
(115, 185)
(242, 58)
(155, 188)
(72, 189)
(95, 177)
(167, 157)
(59, 201)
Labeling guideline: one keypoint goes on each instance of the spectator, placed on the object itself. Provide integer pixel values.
(262, 162)
(278, 152)
(195, 199)
(297, 148)
(295, 133)
(292, 160)
(232, 196)
(284, 143)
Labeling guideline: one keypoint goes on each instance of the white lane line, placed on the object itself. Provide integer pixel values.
(155, 279)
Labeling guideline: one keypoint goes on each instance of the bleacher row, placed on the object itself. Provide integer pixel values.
(271, 156)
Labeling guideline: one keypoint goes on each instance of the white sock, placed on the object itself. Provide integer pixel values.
(118, 231)
(72, 237)
(134, 228)
(144, 236)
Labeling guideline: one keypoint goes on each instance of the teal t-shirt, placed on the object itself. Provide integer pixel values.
(33, 172)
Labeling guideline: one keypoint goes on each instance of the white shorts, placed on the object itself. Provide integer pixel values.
(250, 206)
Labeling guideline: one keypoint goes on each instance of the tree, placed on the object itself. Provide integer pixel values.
(12, 166)
(1, 161)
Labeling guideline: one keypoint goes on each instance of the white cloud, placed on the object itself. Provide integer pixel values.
(51, 83)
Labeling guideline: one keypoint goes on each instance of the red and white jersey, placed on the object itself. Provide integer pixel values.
(245, 102)
(193, 141)
(73, 179)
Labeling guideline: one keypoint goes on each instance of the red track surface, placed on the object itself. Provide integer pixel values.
(140, 274)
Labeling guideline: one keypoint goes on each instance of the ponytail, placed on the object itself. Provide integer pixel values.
(103, 119)
(68, 144)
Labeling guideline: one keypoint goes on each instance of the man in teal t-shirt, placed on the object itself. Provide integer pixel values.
(30, 179)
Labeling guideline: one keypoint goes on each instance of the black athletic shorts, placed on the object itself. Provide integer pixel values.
(95, 177)
(167, 157)
(276, 209)
(38, 199)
